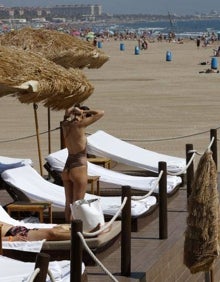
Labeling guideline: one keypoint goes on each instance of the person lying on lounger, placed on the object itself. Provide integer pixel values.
(74, 175)
(21, 233)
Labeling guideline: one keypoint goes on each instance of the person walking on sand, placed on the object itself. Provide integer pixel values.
(74, 175)
(198, 41)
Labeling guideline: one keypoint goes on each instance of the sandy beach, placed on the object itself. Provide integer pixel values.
(156, 104)
(145, 99)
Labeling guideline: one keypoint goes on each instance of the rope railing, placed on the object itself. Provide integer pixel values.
(28, 136)
(183, 170)
(169, 138)
(34, 275)
(124, 139)
(211, 143)
(50, 274)
(191, 159)
(139, 198)
(81, 236)
(165, 139)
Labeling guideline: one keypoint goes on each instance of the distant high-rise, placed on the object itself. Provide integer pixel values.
(76, 10)
(59, 11)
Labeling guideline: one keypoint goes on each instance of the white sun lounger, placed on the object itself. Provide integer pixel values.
(57, 161)
(7, 163)
(36, 188)
(103, 144)
(33, 246)
(58, 246)
(60, 270)
(12, 270)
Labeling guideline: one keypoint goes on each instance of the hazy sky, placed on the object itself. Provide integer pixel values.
(180, 7)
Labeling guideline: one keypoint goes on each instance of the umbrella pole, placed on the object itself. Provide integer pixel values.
(209, 276)
(35, 106)
(49, 132)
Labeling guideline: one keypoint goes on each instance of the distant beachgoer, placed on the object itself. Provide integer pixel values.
(74, 175)
(209, 71)
(160, 38)
(140, 42)
(217, 54)
(204, 63)
(198, 42)
(180, 41)
(144, 45)
(94, 41)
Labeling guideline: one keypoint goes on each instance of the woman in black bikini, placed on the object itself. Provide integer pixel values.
(74, 175)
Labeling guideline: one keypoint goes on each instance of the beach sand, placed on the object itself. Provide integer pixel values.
(145, 99)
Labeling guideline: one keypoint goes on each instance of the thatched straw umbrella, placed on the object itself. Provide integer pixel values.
(41, 80)
(201, 237)
(34, 79)
(61, 48)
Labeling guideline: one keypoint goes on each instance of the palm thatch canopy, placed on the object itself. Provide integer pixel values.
(61, 48)
(201, 246)
(34, 79)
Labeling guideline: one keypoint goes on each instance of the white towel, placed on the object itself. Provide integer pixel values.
(17, 271)
(37, 188)
(29, 246)
(57, 161)
(105, 145)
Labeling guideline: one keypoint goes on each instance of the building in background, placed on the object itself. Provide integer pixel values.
(69, 12)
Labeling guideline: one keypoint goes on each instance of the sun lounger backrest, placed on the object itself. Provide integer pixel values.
(105, 145)
(57, 160)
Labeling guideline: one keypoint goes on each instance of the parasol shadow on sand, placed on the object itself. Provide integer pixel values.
(33, 79)
(61, 48)
(201, 247)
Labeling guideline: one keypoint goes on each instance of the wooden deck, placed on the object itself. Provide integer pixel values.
(152, 259)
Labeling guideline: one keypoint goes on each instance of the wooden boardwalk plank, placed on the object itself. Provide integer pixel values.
(152, 259)
(161, 260)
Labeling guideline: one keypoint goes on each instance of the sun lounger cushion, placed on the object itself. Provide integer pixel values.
(35, 187)
(16, 271)
(93, 243)
(105, 145)
(57, 161)
(29, 246)
(8, 163)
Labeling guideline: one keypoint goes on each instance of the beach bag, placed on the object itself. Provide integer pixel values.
(89, 212)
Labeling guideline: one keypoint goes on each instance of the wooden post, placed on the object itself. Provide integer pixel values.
(126, 233)
(42, 262)
(209, 276)
(190, 169)
(49, 130)
(213, 133)
(163, 229)
(1, 239)
(76, 252)
(62, 141)
(35, 106)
